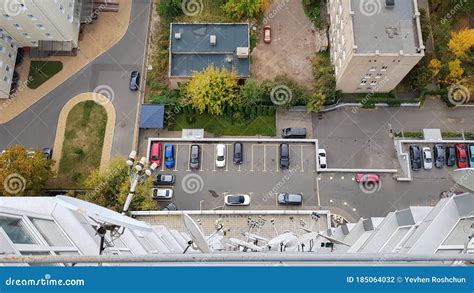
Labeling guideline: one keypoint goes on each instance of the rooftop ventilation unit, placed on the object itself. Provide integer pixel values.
(213, 40)
(389, 3)
(242, 52)
(177, 36)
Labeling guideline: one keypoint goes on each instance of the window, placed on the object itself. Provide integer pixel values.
(31, 16)
(379, 75)
(373, 68)
(384, 68)
(16, 230)
(51, 232)
(368, 75)
(40, 26)
(373, 82)
(363, 82)
(18, 27)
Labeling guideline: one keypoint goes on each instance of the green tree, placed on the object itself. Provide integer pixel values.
(211, 90)
(316, 103)
(170, 9)
(110, 189)
(23, 172)
(251, 93)
(244, 8)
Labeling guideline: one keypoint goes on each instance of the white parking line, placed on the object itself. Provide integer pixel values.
(189, 157)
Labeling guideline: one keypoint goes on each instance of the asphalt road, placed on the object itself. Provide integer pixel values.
(36, 126)
(356, 138)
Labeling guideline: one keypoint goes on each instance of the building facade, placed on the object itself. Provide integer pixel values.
(374, 44)
(52, 24)
(51, 226)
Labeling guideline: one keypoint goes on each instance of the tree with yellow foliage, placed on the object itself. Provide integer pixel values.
(461, 42)
(435, 66)
(455, 71)
(211, 90)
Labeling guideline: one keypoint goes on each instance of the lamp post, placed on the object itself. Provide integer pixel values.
(136, 177)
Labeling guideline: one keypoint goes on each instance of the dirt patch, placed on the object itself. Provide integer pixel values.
(293, 44)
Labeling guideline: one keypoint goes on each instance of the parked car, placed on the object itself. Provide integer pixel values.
(427, 158)
(237, 200)
(471, 155)
(361, 178)
(156, 153)
(165, 179)
(169, 156)
(170, 207)
(238, 153)
(48, 153)
(134, 80)
(267, 34)
(293, 133)
(290, 198)
(220, 155)
(195, 157)
(461, 155)
(284, 156)
(162, 193)
(446, 194)
(322, 159)
(415, 157)
(450, 156)
(438, 153)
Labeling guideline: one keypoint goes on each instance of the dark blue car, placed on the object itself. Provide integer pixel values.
(169, 156)
(134, 81)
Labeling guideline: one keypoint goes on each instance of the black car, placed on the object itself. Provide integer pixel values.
(284, 156)
(165, 179)
(170, 207)
(293, 133)
(48, 153)
(238, 153)
(438, 152)
(450, 156)
(290, 199)
(134, 81)
(415, 157)
(195, 160)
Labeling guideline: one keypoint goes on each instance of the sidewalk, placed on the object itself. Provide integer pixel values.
(97, 38)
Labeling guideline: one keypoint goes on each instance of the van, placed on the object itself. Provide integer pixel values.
(284, 156)
(293, 133)
(194, 159)
(156, 153)
(238, 153)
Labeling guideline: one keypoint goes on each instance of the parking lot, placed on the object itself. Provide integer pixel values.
(259, 175)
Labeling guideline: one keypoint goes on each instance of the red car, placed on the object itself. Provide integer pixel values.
(367, 178)
(156, 153)
(461, 155)
(267, 34)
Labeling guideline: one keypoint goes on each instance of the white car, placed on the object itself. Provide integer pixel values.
(220, 155)
(162, 193)
(322, 159)
(427, 158)
(237, 200)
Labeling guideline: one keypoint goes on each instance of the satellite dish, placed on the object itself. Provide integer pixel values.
(255, 237)
(245, 244)
(196, 234)
(282, 238)
(302, 239)
(101, 214)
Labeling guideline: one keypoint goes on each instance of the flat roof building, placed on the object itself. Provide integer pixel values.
(194, 47)
(374, 44)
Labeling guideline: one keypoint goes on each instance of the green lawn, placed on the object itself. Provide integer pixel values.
(41, 71)
(83, 141)
(220, 126)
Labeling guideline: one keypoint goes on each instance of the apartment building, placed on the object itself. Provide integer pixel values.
(67, 226)
(48, 25)
(374, 44)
